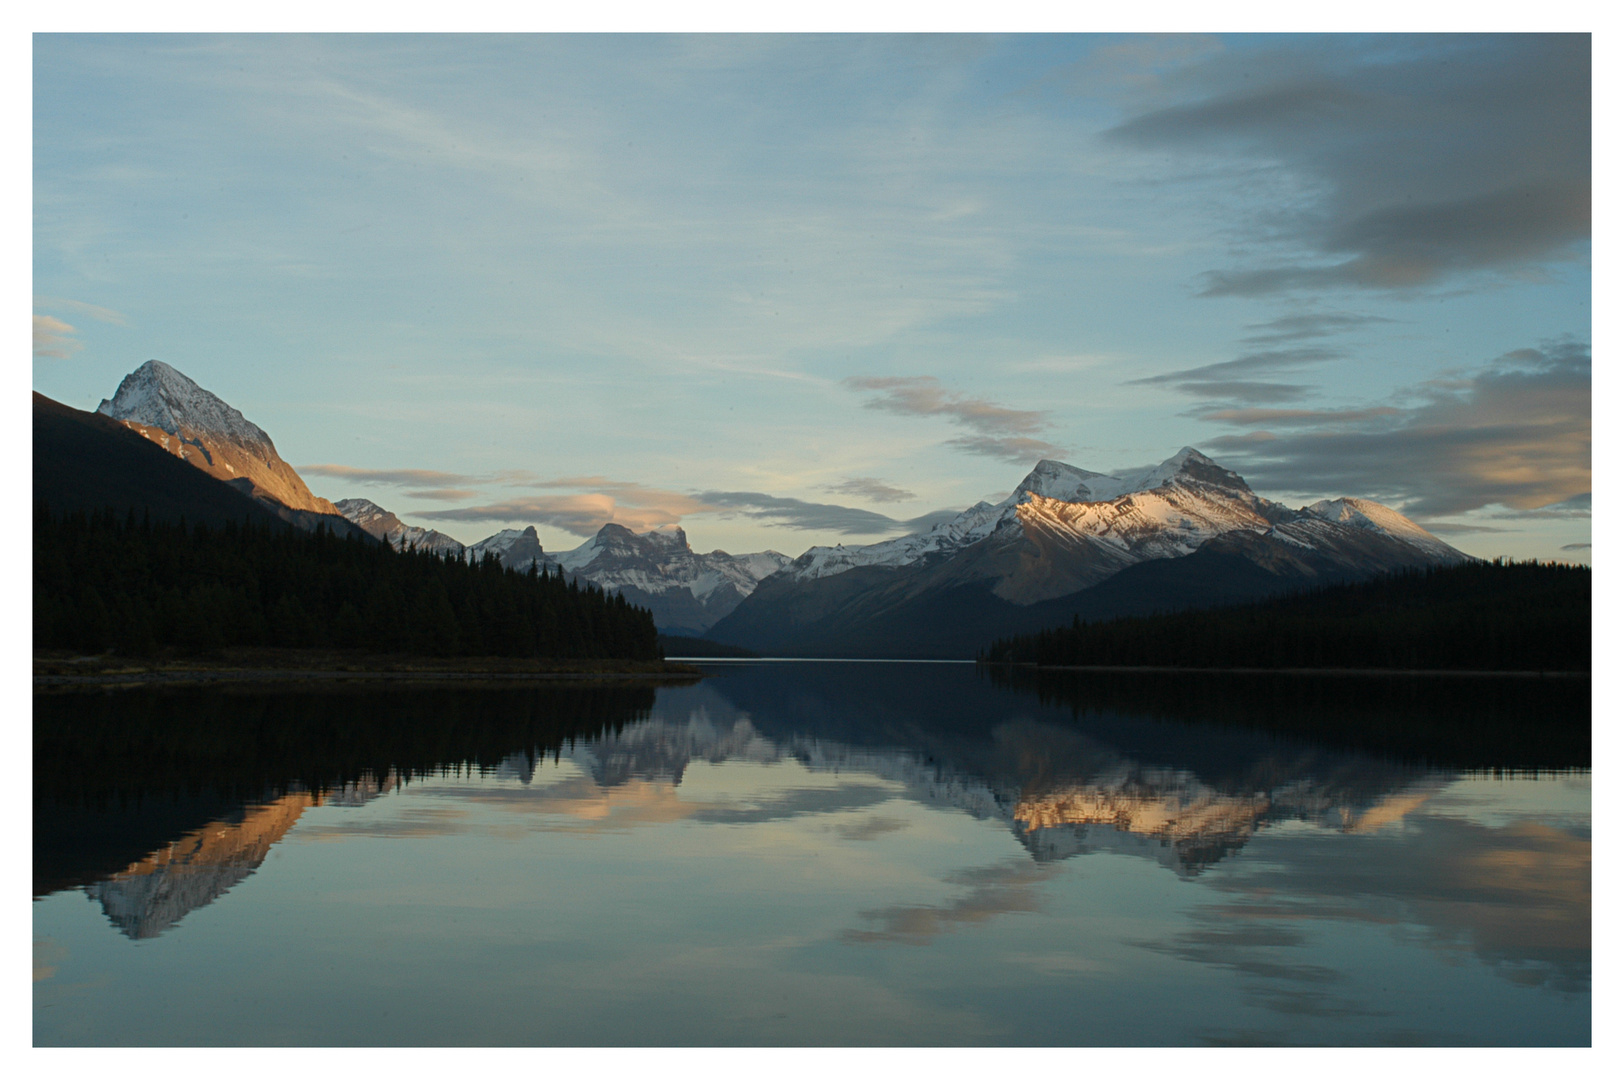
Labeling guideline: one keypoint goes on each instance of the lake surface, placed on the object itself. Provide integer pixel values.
(818, 853)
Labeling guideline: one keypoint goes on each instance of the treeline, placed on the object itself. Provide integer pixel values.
(105, 581)
(1480, 616)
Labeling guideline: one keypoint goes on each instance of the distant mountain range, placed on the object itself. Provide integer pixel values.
(686, 591)
(1066, 543)
(1071, 543)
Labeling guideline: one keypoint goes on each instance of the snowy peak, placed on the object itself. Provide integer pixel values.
(165, 407)
(1057, 480)
(376, 521)
(158, 395)
(517, 549)
(1374, 517)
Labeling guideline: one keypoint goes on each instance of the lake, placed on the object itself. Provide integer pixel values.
(818, 853)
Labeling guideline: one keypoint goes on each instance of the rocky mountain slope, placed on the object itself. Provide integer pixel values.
(685, 590)
(87, 462)
(173, 412)
(378, 522)
(1071, 542)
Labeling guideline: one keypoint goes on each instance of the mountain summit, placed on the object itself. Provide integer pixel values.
(1067, 541)
(166, 407)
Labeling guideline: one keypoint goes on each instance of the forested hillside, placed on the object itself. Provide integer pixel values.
(1480, 616)
(104, 581)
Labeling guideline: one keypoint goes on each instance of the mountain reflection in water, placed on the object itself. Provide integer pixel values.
(777, 838)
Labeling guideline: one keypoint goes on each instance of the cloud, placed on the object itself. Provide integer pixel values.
(52, 338)
(1298, 417)
(581, 514)
(1575, 547)
(1515, 433)
(600, 500)
(867, 487)
(1307, 326)
(1001, 432)
(387, 477)
(798, 514)
(1257, 393)
(1249, 364)
(1220, 380)
(1407, 162)
(444, 494)
(100, 314)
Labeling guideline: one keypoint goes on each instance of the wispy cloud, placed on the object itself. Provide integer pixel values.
(388, 477)
(1413, 161)
(1298, 417)
(444, 494)
(100, 314)
(799, 514)
(871, 489)
(1001, 432)
(1228, 378)
(598, 500)
(54, 338)
(1307, 326)
(1515, 433)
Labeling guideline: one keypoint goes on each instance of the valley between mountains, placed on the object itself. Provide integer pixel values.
(1066, 543)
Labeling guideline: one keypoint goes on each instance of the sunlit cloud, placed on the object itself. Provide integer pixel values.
(579, 514)
(54, 338)
(1515, 433)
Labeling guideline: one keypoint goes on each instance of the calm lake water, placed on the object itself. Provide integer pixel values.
(817, 853)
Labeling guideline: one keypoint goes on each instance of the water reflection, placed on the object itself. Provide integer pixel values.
(1008, 851)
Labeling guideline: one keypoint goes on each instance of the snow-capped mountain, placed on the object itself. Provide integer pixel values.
(379, 522)
(174, 412)
(687, 591)
(1064, 530)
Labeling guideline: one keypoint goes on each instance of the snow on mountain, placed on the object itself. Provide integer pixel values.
(379, 522)
(1373, 516)
(686, 591)
(513, 548)
(1162, 512)
(169, 409)
(1096, 524)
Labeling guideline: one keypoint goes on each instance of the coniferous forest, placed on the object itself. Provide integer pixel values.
(106, 581)
(1477, 616)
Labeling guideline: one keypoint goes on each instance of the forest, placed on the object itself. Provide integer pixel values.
(105, 581)
(1477, 616)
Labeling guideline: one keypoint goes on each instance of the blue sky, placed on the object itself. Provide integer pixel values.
(789, 290)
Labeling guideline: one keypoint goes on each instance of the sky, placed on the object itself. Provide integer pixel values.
(792, 289)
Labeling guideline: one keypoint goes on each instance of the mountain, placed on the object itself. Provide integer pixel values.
(1069, 542)
(85, 461)
(378, 522)
(686, 591)
(514, 548)
(173, 412)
